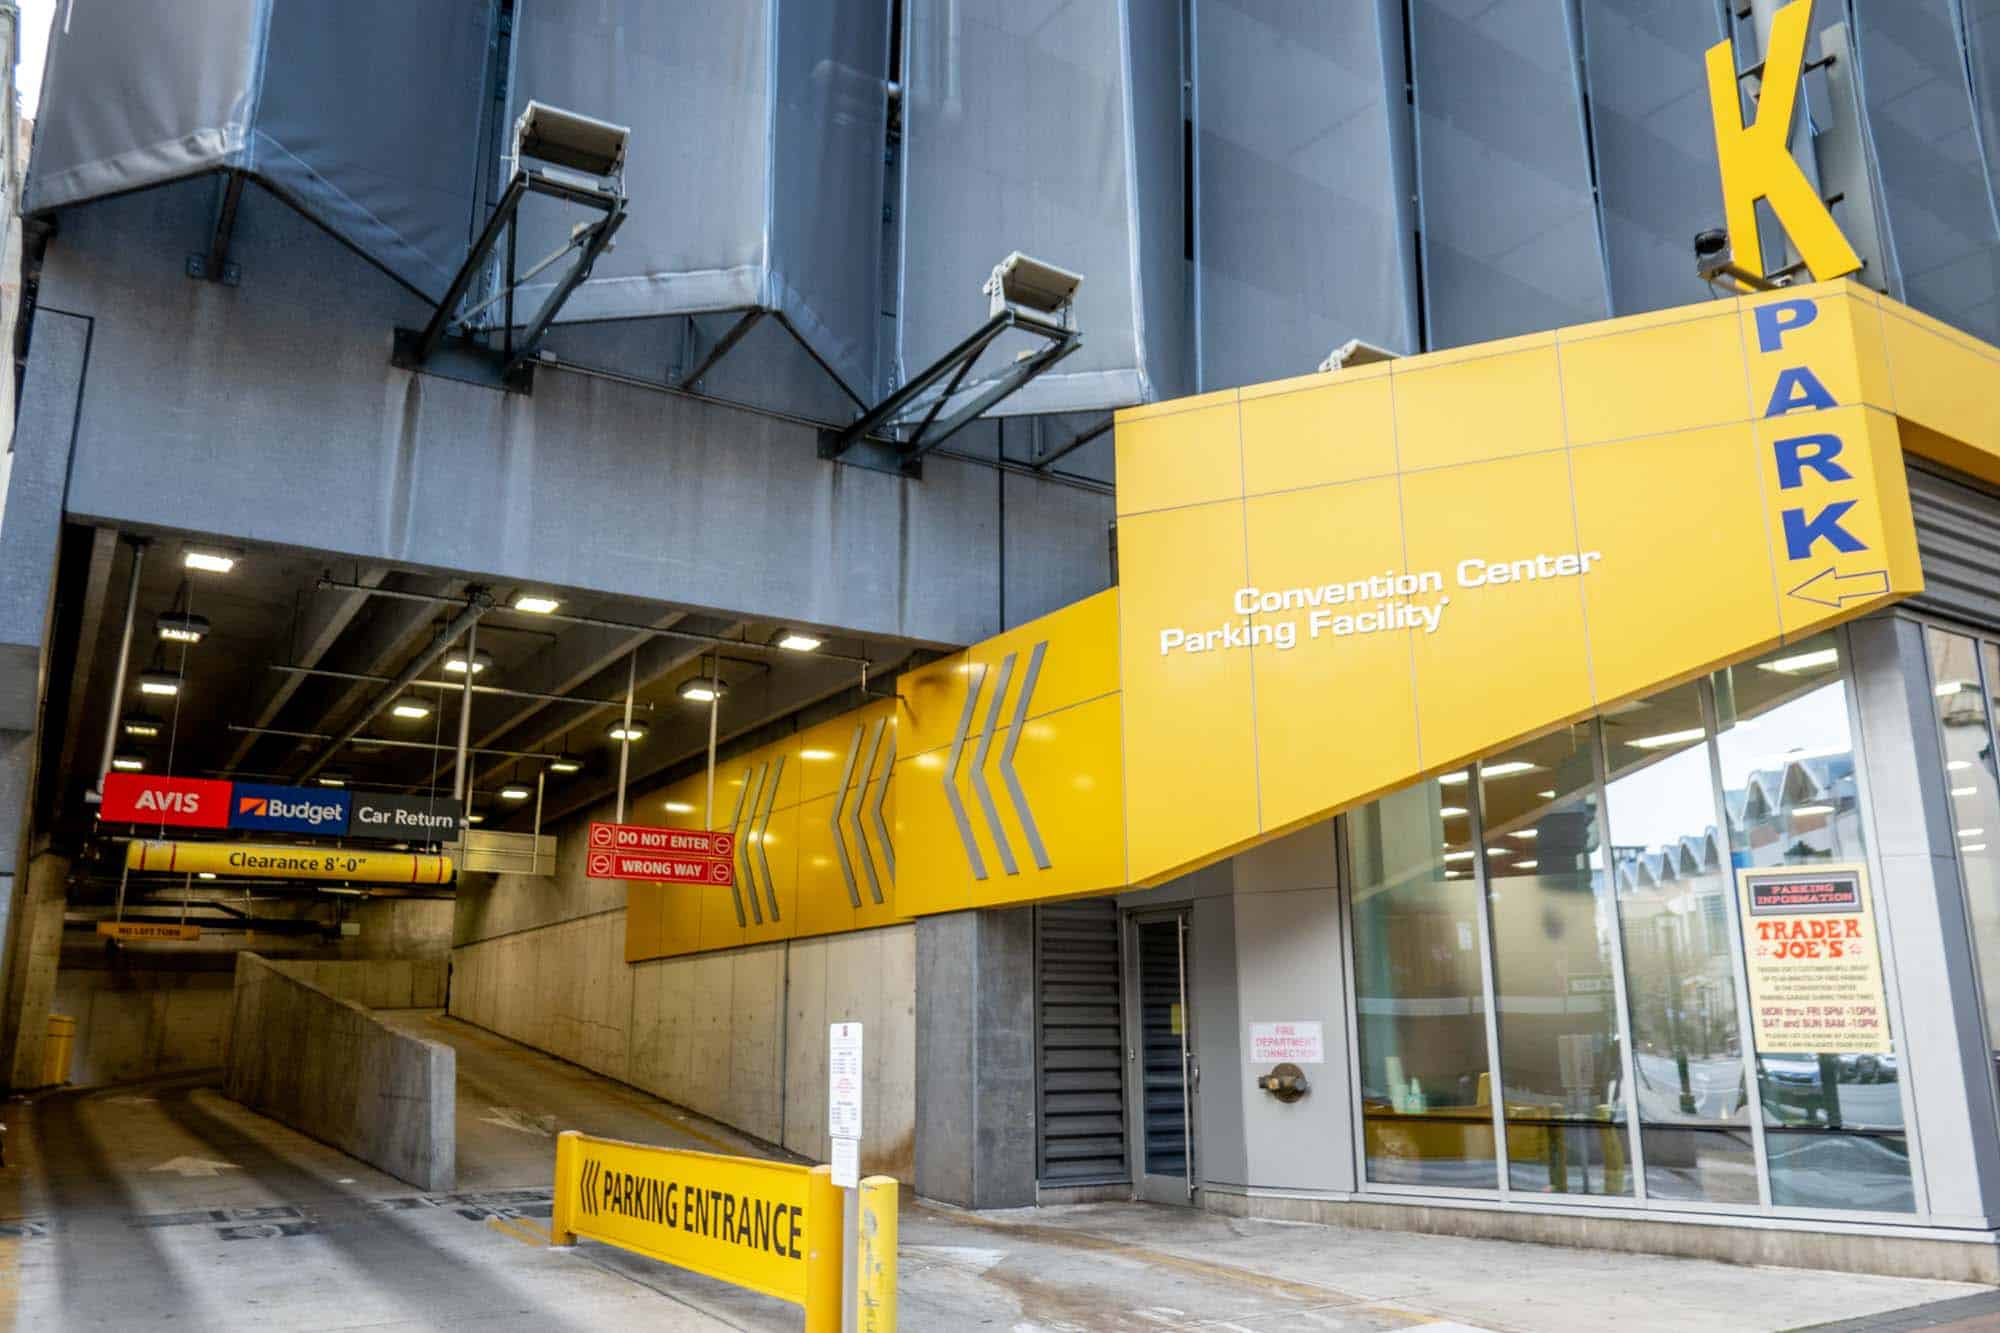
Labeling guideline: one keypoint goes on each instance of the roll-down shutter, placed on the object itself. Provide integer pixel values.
(1079, 1049)
(1958, 541)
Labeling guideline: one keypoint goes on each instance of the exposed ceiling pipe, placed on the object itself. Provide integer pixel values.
(478, 601)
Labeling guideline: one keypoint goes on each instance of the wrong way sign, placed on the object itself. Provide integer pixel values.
(660, 869)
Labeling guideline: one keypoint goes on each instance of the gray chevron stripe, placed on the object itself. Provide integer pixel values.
(979, 787)
(763, 834)
(974, 678)
(747, 839)
(736, 832)
(1007, 773)
(875, 811)
(840, 803)
(861, 799)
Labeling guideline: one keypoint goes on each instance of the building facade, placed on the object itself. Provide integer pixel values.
(1531, 776)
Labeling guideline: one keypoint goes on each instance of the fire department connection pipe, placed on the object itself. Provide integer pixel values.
(478, 602)
(113, 717)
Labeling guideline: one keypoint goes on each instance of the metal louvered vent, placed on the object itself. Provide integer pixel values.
(1958, 539)
(1079, 1047)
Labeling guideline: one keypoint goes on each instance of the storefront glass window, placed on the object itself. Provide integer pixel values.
(1963, 716)
(1553, 961)
(1833, 1118)
(1674, 906)
(1419, 987)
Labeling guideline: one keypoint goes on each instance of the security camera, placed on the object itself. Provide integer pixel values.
(570, 139)
(1710, 244)
(1032, 284)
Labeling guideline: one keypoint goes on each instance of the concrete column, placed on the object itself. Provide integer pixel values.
(975, 1131)
(32, 977)
(1921, 899)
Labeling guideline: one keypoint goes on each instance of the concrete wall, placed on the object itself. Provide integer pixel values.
(375, 983)
(135, 1023)
(328, 1067)
(738, 1035)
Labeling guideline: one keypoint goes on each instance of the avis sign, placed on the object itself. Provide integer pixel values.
(661, 855)
(134, 798)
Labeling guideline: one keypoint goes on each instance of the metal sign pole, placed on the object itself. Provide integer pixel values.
(461, 786)
(124, 661)
(625, 744)
(714, 704)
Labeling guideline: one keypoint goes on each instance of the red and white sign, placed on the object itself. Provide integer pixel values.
(659, 868)
(136, 798)
(1300, 1043)
(681, 842)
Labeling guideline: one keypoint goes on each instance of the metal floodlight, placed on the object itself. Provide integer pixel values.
(703, 690)
(163, 683)
(127, 763)
(209, 559)
(796, 641)
(1355, 352)
(627, 731)
(182, 627)
(141, 726)
(570, 139)
(455, 662)
(1022, 282)
(535, 604)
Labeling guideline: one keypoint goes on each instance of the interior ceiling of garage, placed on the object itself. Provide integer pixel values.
(275, 609)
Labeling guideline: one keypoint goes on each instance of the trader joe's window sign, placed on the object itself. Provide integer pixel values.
(1814, 961)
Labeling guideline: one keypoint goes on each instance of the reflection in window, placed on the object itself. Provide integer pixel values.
(1420, 995)
(1674, 903)
(1975, 797)
(1833, 1119)
(1553, 956)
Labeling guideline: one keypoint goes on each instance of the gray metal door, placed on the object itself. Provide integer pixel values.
(1080, 1044)
(1161, 1053)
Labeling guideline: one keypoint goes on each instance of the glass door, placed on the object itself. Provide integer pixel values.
(1161, 1046)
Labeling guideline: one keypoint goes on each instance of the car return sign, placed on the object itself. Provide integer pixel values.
(770, 1227)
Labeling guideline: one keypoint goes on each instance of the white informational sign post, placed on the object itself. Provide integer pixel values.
(843, 1101)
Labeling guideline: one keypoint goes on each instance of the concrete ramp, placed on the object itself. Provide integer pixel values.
(332, 1069)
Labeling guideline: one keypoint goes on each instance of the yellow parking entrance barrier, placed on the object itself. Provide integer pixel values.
(770, 1227)
(875, 1257)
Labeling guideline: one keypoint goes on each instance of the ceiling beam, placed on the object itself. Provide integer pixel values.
(326, 618)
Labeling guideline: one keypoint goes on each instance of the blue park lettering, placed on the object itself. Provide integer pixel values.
(1797, 388)
(1801, 532)
(1774, 320)
(1800, 452)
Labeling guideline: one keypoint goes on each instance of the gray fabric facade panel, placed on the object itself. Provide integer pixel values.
(188, 76)
(1655, 144)
(1958, 546)
(365, 116)
(1942, 230)
(1307, 230)
(1020, 134)
(754, 170)
(1511, 240)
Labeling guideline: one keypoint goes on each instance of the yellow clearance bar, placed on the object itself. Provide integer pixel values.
(771, 1227)
(263, 861)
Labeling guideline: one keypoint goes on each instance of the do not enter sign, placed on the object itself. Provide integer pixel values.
(661, 855)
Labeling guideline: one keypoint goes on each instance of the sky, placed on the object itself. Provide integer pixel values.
(35, 17)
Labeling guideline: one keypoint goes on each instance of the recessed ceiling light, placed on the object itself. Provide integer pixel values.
(626, 731)
(127, 763)
(410, 706)
(1667, 738)
(702, 689)
(1507, 768)
(514, 791)
(454, 662)
(535, 604)
(793, 641)
(1812, 661)
(208, 559)
(678, 808)
(141, 726)
(182, 627)
(164, 683)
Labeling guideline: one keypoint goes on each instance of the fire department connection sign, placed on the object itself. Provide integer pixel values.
(1297, 1043)
(662, 855)
(1814, 959)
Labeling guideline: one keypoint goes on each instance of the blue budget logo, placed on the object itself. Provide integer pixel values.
(288, 809)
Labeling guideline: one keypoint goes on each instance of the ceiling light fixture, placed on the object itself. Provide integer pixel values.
(1666, 738)
(1460, 856)
(1949, 687)
(678, 808)
(1963, 792)
(204, 874)
(514, 791)
(127, 763)
(1526, 865)
(1452, 779)
(703, 689)
(1812, 661)
(141, 726)
(182, 627)
(454, 662)
(1525, 833)
(411, 707)
(626, 731)
(565, 764)
(208, 559)
(1971, 832)
(535, 604)
(1507, 768)
(1451, 811)
(163, 683)
(792, 641)
(332, 779)
(475, 818)
(1812, 809)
